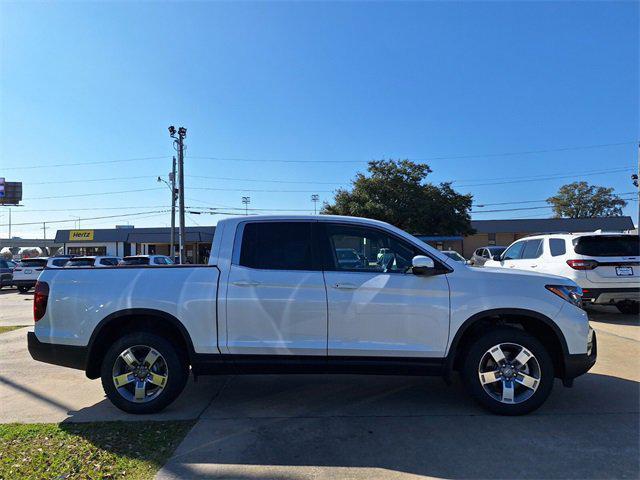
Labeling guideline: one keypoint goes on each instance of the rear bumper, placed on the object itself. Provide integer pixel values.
(576, 365)
(609, 295)
(24, 283)
(64, 355)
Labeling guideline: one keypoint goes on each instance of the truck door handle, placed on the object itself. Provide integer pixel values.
(345, 286)
(246, 283)
(533, 266)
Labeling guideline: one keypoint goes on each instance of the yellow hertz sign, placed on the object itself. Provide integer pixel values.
(82, 235)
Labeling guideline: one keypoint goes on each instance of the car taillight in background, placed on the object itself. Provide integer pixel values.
(582, 264)
(40, 299)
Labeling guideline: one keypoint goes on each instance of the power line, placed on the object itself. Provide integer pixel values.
(88, 218)
(76, 164)
(444, 157)
(95, 194)
(524, 208)
(549, 177)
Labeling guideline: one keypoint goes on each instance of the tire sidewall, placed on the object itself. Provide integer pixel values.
(508, 335)
(177, 372)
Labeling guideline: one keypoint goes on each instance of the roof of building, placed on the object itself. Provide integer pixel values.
(138, 235)
(553, 225)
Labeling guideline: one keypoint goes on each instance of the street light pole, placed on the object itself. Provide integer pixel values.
(172, 248)
(314, 198)
(179, 143)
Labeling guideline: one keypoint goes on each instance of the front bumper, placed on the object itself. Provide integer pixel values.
(610, 295)
(579, 364)
(64, 355)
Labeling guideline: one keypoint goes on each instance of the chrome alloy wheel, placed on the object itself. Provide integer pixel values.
(140, 374)
(509, 373)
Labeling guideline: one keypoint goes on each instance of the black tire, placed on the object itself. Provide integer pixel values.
(24, 289)
(629, 307)
(506, 335)
(174, 360)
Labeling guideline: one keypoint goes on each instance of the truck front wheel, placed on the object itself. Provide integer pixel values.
(508, 372)
(143, 373)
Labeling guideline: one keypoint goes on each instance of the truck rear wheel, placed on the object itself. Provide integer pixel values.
(508, 372)
(143, 373)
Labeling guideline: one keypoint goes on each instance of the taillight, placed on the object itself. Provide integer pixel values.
(40, 299)
(582, 264)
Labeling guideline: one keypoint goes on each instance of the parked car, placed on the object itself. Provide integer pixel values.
(481, 255)
(453, 255)
(152, 260)
(91, 261)
(605, 265)
(57, 262)
(6, 272)
(254, 309)
(27, 271)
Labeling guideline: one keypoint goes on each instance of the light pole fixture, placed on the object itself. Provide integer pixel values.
(315, 198)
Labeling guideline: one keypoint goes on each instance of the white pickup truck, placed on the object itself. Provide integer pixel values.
(276, 297)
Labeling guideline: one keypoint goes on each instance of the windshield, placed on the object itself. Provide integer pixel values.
(135, 261)
(80, 262)
(608, 246)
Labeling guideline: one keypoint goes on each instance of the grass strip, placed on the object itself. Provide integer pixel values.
(96, 450)
(11, 328)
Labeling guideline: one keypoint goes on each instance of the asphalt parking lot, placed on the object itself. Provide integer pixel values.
(300, 426)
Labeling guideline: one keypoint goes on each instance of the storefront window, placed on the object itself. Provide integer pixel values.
(86, 251)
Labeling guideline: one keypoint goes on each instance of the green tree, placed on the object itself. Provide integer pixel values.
(579, 200)
(396, 192)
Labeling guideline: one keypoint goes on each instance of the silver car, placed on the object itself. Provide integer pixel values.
(481, 255)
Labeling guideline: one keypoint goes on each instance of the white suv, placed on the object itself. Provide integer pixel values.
(605, 265)
(26, 273)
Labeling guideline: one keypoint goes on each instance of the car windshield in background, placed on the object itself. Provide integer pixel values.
(608, 246)
(496, 250)
(33, 262)
(136, 261)
(80, 262)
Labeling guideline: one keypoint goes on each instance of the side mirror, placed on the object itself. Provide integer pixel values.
(497, 258)
(422, 265)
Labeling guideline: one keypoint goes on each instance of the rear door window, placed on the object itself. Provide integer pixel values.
(608, 246)
(557, 246)
(277, 246)
(532, 249)
(136, 261)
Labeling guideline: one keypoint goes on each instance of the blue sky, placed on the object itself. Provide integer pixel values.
(310, 82)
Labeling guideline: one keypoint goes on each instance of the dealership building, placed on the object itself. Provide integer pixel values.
(127, 240)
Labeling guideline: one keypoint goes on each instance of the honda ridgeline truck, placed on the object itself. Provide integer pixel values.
(276, 297)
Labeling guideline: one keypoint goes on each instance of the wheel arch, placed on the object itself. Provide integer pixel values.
(539, 325)
(129, 320)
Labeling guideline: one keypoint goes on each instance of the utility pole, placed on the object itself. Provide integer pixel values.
(246, 201)
(636, 182)
(44, 227)
(179, 145)
(172, 248)
(9, 223)
(314, 198)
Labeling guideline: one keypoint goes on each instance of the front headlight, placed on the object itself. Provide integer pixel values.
(570, 293)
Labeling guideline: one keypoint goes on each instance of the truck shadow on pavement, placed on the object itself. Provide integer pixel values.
(301, 426)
